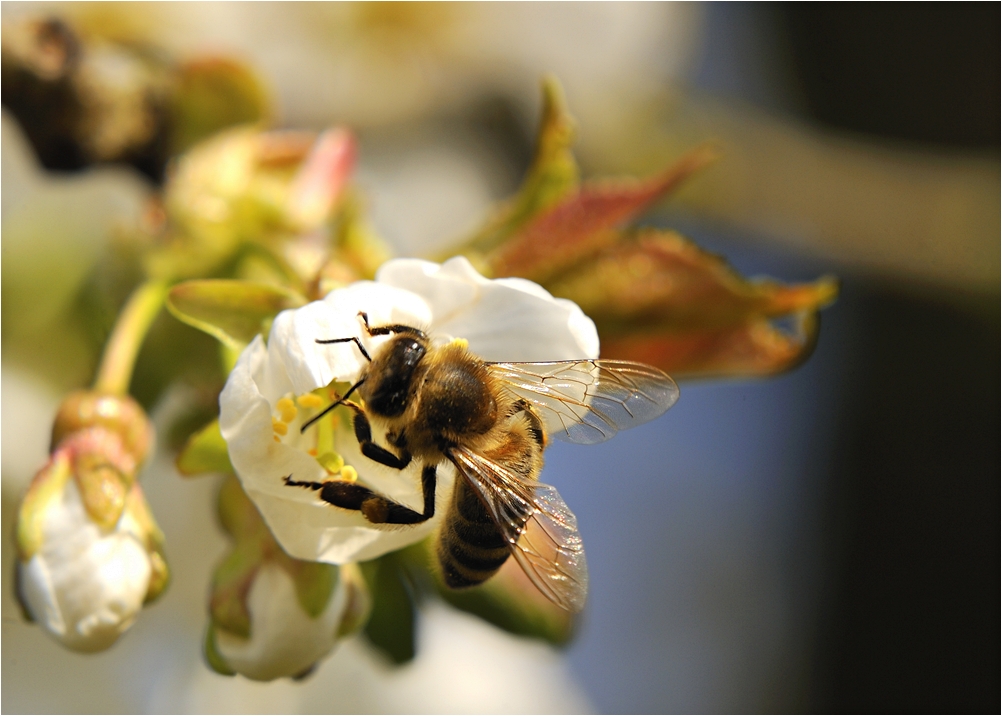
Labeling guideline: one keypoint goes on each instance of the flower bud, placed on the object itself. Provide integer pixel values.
(89, 551)
(273, 616)
(83, 579)
(243, 182)
(118, 413)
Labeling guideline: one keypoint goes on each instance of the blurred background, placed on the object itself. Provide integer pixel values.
(821, 541)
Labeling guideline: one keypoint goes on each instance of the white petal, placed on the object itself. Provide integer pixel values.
(310, 365)
(84, 586)
(284, 640)
(504, 320)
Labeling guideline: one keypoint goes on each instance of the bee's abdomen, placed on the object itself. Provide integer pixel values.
(470, 547)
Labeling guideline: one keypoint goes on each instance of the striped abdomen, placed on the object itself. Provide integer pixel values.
(470, 548)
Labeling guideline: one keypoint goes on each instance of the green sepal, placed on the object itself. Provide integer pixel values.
(210, 650)
(205, 451)
(359, 606)
(231, 584)
(393, 618)
(45, 487)
(232, 311)
(315, 583)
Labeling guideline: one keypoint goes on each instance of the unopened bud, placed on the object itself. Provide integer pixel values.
(82, 580)
(89, 551)
(273, 616)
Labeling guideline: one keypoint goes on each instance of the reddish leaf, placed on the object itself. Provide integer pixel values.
(753, 349)
(585, 222)
(658, 278)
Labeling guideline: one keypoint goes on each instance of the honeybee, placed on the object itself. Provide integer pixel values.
(492, 422)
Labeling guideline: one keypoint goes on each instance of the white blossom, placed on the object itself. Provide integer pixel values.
(271, 392)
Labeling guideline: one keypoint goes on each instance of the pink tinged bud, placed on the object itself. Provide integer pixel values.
(89, 552)
(321, 179)
(118, 413)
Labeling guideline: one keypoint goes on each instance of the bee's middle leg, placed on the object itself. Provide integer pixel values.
(376, 508)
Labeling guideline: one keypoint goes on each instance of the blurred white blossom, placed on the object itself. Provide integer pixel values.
(284, 639)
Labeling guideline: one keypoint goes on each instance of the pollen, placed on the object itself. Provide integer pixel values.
(349, 474)
(331, 462)
(309, 401)
(461, 342)
(286, 409)
(279, 427)
(312, 452)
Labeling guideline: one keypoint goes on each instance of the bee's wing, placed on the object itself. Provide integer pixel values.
(542, 533)
(588, 401)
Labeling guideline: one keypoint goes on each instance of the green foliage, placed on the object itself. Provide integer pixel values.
(230, 310)
(212, 94)
(393, 618)
(205, 451)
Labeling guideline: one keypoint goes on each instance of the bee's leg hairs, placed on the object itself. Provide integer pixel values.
(376, 508)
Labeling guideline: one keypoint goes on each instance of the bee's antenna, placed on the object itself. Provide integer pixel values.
(358, 343)
(333, 405)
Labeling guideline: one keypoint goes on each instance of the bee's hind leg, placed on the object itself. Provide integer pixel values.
(376, 508)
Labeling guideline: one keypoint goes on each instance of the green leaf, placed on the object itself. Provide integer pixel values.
(205, 451)
(393, 618)
(510, 602)
(231, 311)
(552, 176)
(212, 94)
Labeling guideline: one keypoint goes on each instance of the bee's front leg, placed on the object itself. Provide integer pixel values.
(376, 508)
(363, 433)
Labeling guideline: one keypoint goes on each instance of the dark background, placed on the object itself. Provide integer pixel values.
(911, 620)
(892, 449)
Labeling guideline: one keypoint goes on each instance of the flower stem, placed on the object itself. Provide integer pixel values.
(115, 371)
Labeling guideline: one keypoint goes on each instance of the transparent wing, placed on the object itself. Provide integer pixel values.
(542, 533)
(588, 401)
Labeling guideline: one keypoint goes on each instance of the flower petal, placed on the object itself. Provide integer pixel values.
(504, 320)
(311, 365)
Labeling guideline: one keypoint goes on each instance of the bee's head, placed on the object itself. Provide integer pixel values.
(389, 377)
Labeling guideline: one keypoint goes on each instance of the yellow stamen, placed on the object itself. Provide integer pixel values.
(331, 462)
(279, 427)
(286, 409)
(349, 474)
(276, 438)
(309, 401)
